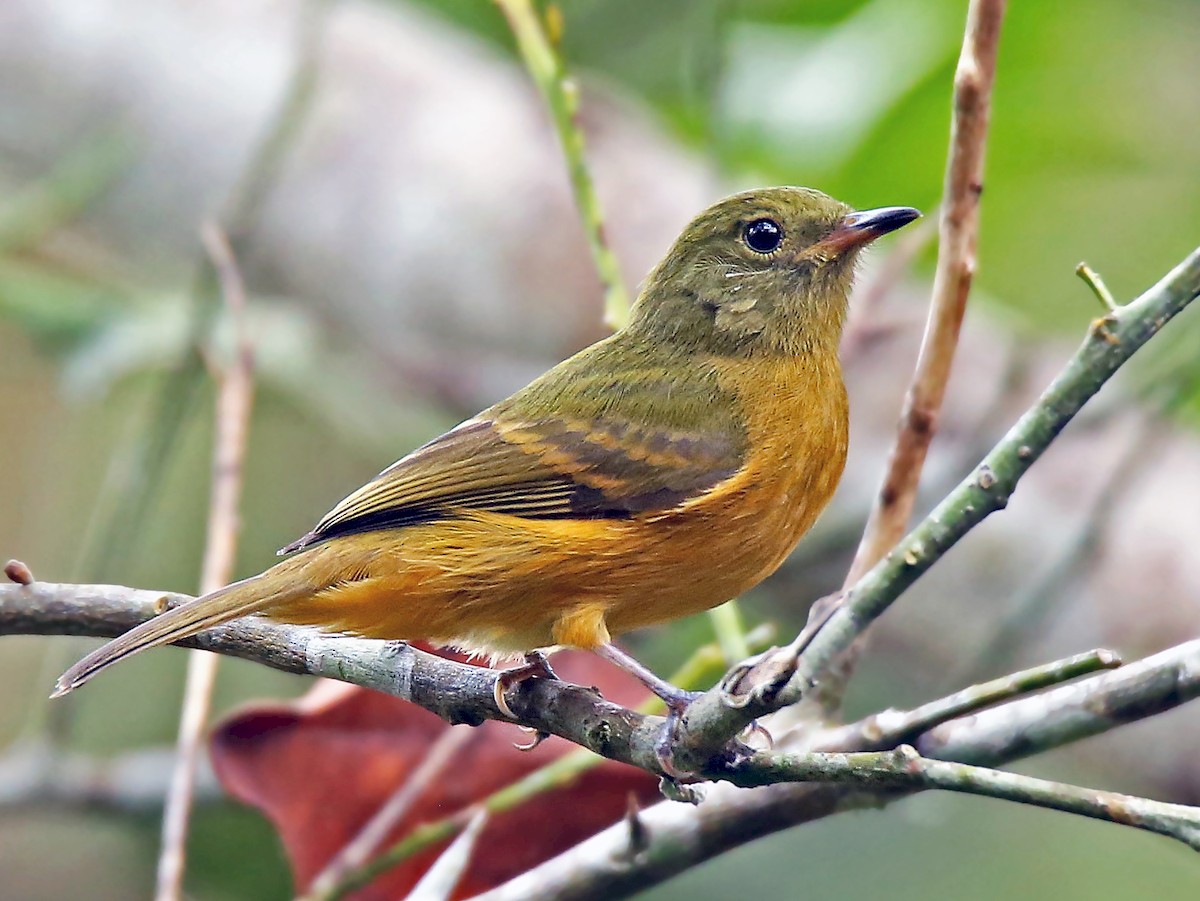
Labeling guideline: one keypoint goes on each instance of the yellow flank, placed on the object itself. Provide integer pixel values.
(501, 584)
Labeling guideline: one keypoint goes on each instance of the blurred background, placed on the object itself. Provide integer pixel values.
(401, 212)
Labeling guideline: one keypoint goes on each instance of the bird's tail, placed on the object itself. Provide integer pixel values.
(239, 599)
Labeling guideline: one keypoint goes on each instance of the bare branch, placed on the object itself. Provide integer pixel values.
(235, 396)
(1071, 712)
(957, 230)
(888, 728)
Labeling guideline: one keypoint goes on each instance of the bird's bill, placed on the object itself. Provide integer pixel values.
(863, 227)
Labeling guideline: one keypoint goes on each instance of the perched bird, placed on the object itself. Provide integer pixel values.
(655, 474)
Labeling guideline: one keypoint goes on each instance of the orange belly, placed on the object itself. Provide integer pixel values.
(501, 585)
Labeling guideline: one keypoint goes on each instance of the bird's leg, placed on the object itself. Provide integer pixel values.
(675, 698)
(535, 666)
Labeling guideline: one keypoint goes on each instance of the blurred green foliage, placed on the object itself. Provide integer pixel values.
(1095, 137)
(1094, 154)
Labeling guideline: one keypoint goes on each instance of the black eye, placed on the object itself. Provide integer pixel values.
(763, 235)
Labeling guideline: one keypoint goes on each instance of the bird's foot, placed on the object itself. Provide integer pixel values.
(536, 666)
(677, 701)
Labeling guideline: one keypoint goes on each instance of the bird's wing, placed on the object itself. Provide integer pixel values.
(601, 464)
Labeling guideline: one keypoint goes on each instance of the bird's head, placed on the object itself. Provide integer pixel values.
(765, 271)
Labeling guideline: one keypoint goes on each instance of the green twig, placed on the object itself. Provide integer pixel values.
(904, 769)
(1096, 283)
(731, 633)
(562, 97)
(890, 727)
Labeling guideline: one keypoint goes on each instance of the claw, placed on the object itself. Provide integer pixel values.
(756, 728)
(536, 666)
(538, 737)
(677, 703)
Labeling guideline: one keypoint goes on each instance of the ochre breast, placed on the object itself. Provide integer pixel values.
(735, 536)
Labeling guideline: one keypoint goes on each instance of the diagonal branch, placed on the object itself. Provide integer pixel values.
(958, 226)
(782, 678)
(906, 770)
(677, 837)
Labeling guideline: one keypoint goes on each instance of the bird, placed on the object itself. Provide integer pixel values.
(655, 474)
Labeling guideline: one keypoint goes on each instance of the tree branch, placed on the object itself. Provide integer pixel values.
(457, 692)
(903, 768)
(676, 837)
(679, 835)
(781, 678)
(957, 230)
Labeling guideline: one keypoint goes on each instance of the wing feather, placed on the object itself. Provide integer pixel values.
(552, 468)
(617, 431)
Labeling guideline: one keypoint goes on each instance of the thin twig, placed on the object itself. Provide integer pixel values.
(234, 399)
(1070, 712)
(562, 97)
(1030, 609)
(1096, 283)
(957, 230)
(363, 846)
(888, 728)
(903, 768)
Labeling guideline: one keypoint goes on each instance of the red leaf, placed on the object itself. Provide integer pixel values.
(320, 767)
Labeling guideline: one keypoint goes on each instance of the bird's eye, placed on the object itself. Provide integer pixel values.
(763, 236)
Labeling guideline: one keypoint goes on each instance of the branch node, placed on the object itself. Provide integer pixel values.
(986, 479)
(1102, 329)
(18, 572)
(1093, 280)
(639, 833)
(685, 793)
